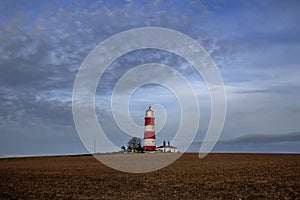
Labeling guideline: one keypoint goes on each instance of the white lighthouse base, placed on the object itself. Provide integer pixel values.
(149, 144)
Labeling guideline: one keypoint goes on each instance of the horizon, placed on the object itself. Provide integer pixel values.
(108, 153)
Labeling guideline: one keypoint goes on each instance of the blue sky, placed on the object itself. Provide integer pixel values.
(256, 46)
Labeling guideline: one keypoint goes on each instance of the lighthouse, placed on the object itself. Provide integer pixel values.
(149, 131)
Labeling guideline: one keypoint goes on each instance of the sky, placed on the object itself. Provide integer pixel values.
(255, 45)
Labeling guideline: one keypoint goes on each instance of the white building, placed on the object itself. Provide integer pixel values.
(167, 148)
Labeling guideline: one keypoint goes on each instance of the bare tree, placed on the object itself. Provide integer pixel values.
(134, 143)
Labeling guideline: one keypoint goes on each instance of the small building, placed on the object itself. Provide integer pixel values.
(167, 148)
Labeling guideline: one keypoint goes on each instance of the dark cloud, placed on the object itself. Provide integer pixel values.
(264, 139)
(257, 143)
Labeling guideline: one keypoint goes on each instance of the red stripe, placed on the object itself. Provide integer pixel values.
(149, 121)
(149, 134)
(149, 148)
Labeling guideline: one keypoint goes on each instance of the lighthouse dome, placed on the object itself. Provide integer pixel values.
(149, 112)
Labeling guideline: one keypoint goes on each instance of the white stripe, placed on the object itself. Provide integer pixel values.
(149, 114)
(149, 142)
(149, 128)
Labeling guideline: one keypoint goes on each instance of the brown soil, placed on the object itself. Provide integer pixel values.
(217, 176)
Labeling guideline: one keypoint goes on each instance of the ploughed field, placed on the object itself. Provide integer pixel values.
(217, 176)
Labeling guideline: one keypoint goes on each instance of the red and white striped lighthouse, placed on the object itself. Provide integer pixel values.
(149, 131)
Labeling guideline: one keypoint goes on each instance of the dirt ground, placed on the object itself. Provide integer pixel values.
(217, 176)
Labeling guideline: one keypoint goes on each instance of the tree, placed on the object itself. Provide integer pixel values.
(134, 143)
(129, 149)
(140, 149)
(123, 148)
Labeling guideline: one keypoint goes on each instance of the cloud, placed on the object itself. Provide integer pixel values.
(264, 139)
(257, 143)
(284, 143)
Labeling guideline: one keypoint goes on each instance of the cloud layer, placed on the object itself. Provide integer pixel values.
(257, 143)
